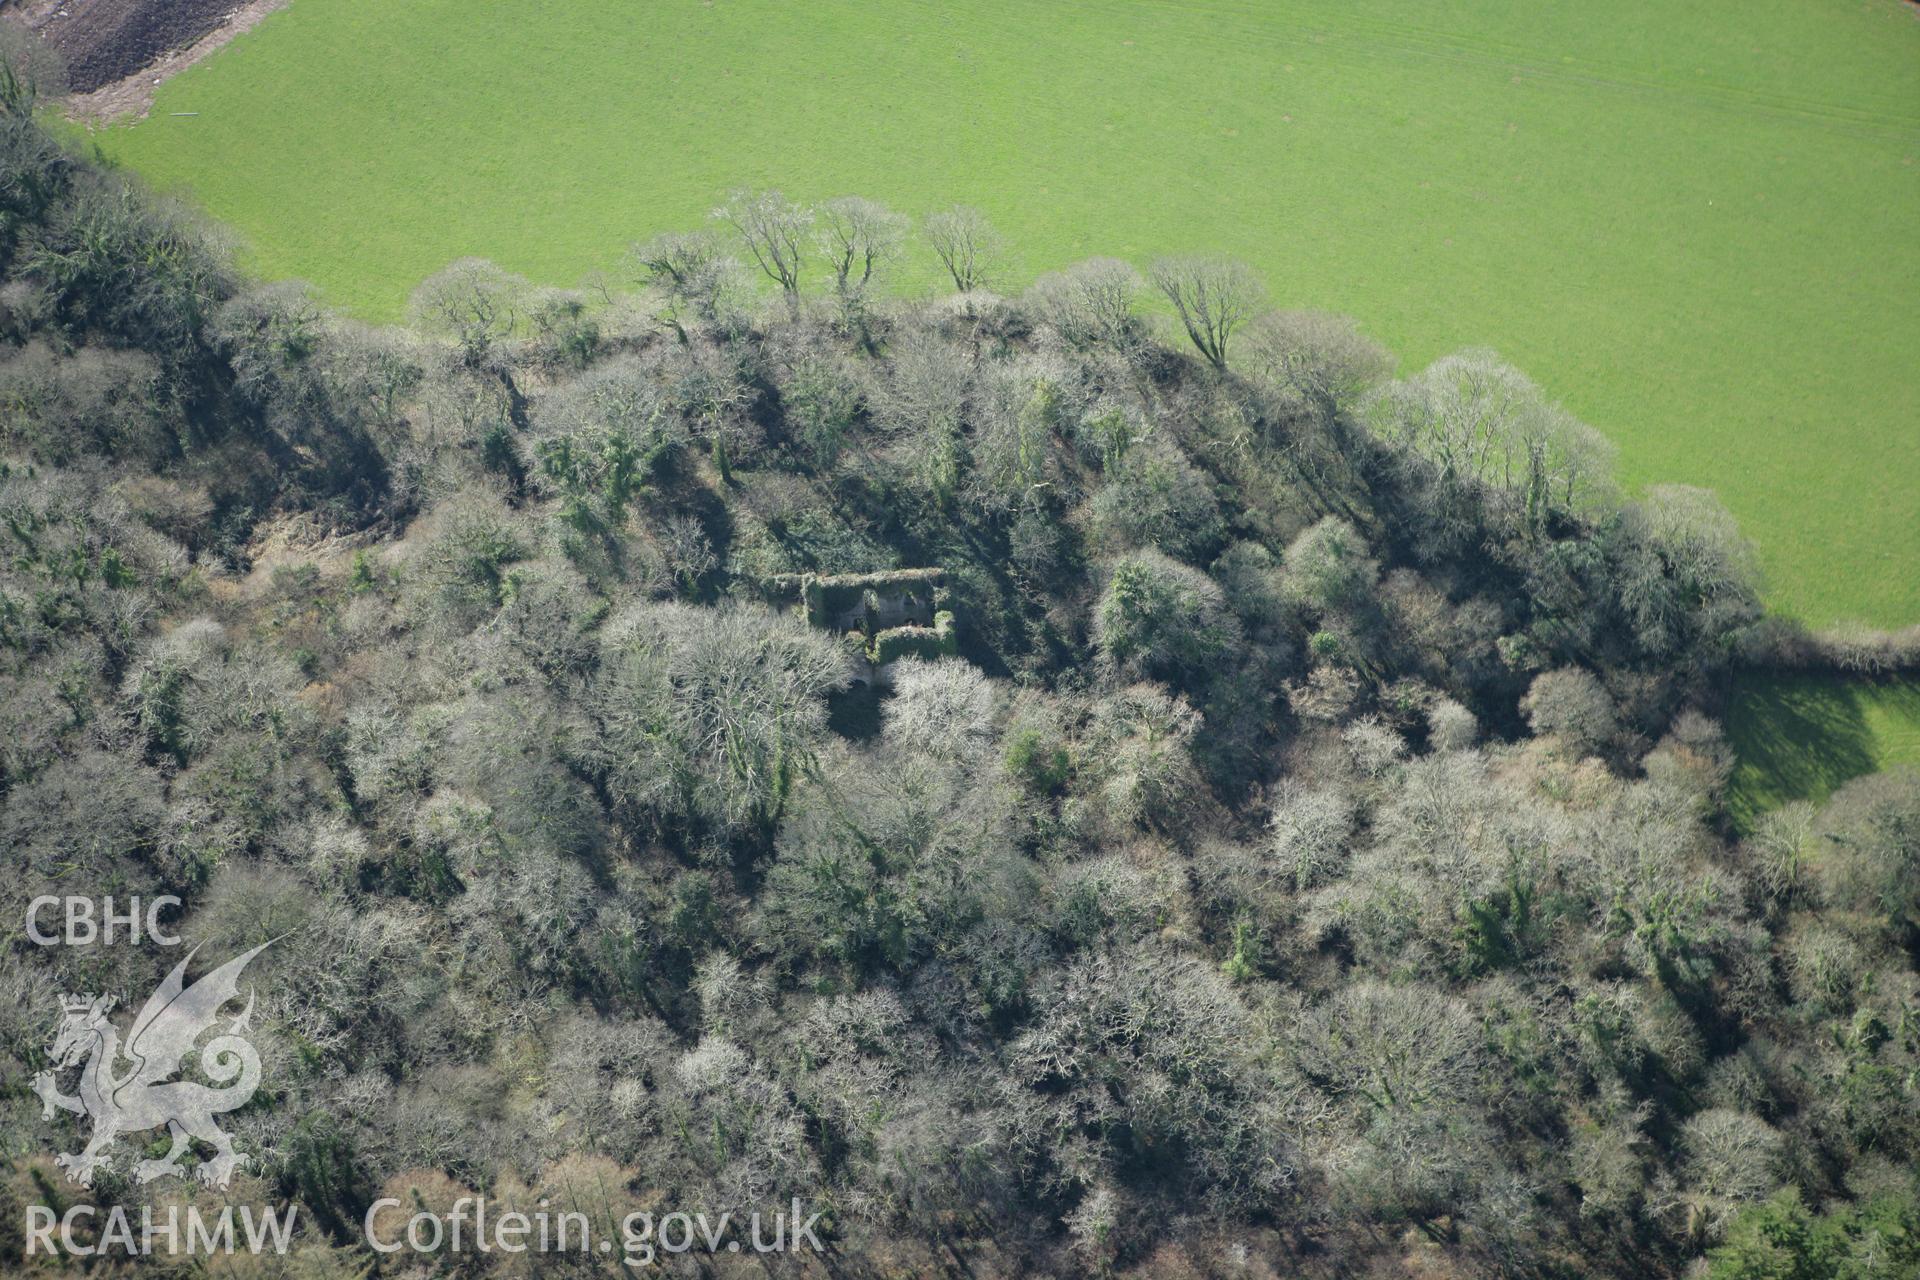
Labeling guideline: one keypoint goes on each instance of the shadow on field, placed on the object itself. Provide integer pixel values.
(1801, 737)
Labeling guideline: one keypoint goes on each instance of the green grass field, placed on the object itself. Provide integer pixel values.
(1800, 738)
(1694, 223)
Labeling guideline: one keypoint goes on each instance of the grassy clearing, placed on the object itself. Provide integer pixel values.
(1799, 738)
(1691, 221)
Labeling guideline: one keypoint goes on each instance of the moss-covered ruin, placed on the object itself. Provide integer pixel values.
(888, 615)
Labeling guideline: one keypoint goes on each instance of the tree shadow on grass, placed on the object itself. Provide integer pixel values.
(1801, 737)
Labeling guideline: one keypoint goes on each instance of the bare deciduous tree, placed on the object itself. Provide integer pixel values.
(1321, 361)
(1496, 442)
(1090, 304)
(1392, 1047)
(858, 236)
(942, 709)
(717, 711)
(1213, 297)
(1731, 1158)
(774, 230)
(967, 245)
(1329, 568)
(1573, 705)
(474, 301)
(676, 260)
(691, 268)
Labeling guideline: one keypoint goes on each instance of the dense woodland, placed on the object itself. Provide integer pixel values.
(1313, 862)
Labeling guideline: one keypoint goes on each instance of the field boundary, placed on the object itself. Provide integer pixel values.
(1781, 644)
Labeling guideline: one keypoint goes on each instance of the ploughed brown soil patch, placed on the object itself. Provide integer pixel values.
(105, 41)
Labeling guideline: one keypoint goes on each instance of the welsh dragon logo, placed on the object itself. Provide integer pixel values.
(139, 1096)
